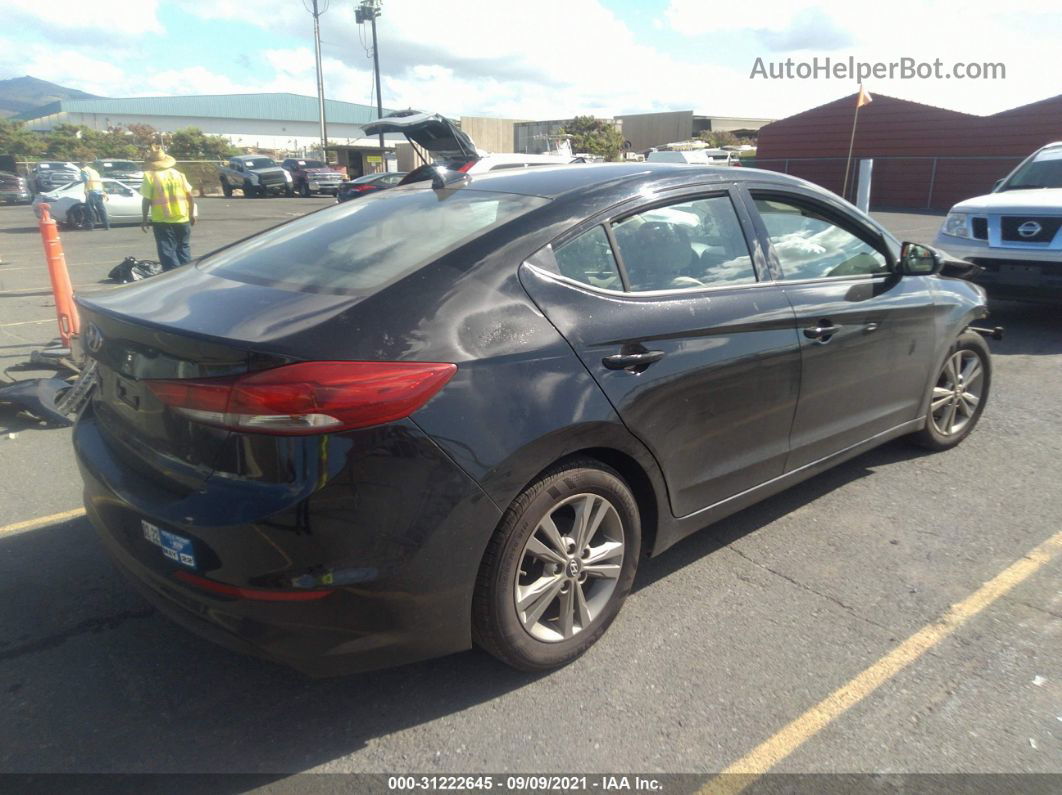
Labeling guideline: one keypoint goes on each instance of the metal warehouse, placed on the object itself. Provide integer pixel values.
(262, 121)
(924, 157)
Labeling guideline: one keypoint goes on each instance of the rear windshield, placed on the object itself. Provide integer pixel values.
(361, 246)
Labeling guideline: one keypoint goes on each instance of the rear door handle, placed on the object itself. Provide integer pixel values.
(822, 332)
(627, 361)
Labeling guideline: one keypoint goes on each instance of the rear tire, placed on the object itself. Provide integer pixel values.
(549, 584)
(958, 394)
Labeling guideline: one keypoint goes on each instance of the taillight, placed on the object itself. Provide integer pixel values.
(308, 397)
(464, 169)
(364, 188)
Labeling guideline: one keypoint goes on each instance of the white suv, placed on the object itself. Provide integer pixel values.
(1015, 232)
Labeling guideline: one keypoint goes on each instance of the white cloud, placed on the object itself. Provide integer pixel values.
(518, 61)
(114, 17)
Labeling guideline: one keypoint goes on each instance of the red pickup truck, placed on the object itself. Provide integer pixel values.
(312, 176)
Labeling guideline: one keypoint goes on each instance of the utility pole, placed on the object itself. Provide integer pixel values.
(369, 10)
(317, 11)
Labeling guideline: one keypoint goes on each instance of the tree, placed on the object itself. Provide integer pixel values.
(16, 139)
(142, 136)
(192, 144)
(720, 138)
(594, 136)
(72, 142)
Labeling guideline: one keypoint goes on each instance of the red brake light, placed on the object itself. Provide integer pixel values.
(308, 397)
(464, 169)
(363, 188)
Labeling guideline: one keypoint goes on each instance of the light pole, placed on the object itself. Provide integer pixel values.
(369, 10)
(316, 10)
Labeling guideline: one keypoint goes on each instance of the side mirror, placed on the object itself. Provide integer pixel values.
(919, 260)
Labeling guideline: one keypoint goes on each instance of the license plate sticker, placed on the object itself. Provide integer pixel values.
(177, 548)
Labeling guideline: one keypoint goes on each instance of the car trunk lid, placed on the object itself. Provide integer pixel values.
(431, 131)
(147, 332)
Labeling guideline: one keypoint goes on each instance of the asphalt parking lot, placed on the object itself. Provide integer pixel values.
(729, 638)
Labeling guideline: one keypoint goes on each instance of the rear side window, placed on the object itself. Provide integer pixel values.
(685, 246)
(361, 246)
(811, 246)
(588, 259)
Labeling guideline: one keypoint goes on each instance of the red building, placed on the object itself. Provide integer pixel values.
(924, 157)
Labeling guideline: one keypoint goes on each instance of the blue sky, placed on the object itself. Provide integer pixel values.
(546, 59)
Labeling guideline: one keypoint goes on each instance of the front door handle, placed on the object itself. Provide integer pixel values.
(821, 332)
(628, 361)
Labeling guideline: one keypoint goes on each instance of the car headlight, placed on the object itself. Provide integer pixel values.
(956, 226)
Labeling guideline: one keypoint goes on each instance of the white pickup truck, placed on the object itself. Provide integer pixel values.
(1014, 233)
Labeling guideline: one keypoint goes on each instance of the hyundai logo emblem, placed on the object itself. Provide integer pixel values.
(93, 338)
(1029, 229)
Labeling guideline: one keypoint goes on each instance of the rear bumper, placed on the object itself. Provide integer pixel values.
(397, 553)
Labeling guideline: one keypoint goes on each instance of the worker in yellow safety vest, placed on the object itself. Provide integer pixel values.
(169, 203)
(95, 209)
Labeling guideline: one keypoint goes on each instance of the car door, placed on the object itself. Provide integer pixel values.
(866, 334)
(699, 357)
(122, 202)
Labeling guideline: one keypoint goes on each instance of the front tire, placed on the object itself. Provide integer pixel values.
(558, 568)
(249, 191)
(958, 395)
(226, 189)
(304, 190)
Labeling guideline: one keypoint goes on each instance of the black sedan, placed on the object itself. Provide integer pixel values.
(370, 183)
(461, 413)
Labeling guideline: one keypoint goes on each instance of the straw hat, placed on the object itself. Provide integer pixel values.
(158, 160)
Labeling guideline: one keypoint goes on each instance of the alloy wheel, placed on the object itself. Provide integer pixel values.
(958, 393)
(569, 567)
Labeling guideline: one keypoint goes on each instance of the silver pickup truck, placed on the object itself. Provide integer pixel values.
(255, 175)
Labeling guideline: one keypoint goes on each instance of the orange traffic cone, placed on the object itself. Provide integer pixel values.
(65, 309)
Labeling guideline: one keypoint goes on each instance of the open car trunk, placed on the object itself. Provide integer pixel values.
(431, 131)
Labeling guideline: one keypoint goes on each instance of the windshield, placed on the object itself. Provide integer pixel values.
(312, 164)
(359, 247)
(259, 162)
(119, 165)
(1043, 171)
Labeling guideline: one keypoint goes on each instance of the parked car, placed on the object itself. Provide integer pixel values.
(370, 183)
(451, 147)
(128, 171)
(257, 176)
(14, 189)
(67, 203)
(700, 157)
(312, 176)
(50, 174)
(435, 417)
(1014, 233)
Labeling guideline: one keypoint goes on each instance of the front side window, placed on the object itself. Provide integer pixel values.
(810, 246)
(687, 245)
(588, 259)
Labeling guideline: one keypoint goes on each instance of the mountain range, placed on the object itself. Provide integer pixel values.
(19, 94)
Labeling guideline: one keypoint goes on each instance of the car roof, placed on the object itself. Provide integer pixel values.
(553, 181)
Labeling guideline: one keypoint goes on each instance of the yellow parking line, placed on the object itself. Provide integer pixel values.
(763, 757)
(41, 521)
